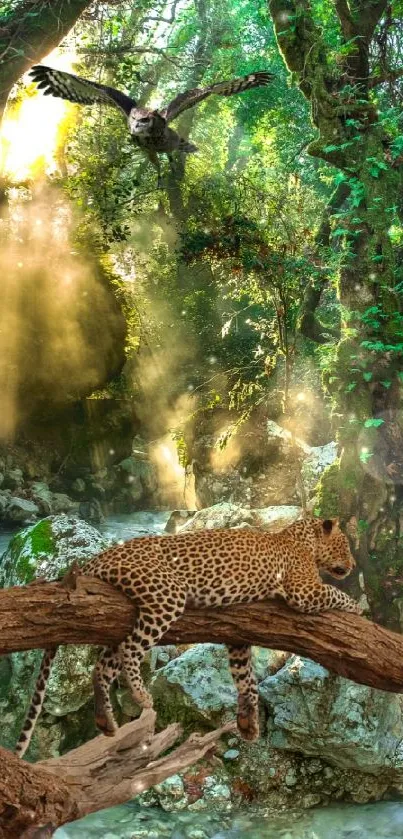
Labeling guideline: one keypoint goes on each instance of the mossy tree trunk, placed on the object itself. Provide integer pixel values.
(364, 378)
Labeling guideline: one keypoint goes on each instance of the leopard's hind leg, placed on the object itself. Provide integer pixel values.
(159, 606)
(248, 698)
(105, 672)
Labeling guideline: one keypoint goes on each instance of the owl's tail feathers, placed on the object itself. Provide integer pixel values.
(187, 147)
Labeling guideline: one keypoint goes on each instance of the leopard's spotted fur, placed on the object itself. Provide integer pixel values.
(208, 568)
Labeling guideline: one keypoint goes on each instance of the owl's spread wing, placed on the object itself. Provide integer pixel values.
(76, 89)
(193, 97)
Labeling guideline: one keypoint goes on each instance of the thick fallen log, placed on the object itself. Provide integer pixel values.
(48, 614)
(102, 773)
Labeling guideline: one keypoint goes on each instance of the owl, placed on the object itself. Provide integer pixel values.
(149, 129)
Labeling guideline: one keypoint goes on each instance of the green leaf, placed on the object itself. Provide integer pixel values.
(373, 423)
(367, 376)
(365, 456)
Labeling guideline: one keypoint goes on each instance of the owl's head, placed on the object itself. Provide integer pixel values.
(141, 122)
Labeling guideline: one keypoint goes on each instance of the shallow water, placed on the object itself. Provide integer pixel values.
(383, 820)
(5, 536)
(128, 525)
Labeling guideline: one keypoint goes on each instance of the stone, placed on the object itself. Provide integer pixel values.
(323, 715)
(78, 486)
(61, 503)
(199, 686)
(5, 496)
(177, 519)
(226, 514)
(13, 478)
(21, 510)
(42, 496)
(231, 754)
(315, 463)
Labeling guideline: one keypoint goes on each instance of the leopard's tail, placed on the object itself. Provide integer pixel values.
(36, 703)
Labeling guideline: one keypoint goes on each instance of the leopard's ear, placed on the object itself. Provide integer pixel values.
(329, 524)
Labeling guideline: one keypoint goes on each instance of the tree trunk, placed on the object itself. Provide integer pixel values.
(48, 614)
(28, 33)
(364, 378)
(102, 773)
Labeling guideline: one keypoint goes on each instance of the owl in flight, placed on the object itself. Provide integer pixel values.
(148, 128)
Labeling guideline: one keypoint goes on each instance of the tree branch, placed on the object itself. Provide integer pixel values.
(48, 614)
(389, 77)
(346, 21)
(102, 773)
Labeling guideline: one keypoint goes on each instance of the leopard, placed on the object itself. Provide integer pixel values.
(206, 568)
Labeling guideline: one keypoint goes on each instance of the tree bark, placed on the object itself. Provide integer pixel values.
(102, 773)
(48, 614)
(28, 33)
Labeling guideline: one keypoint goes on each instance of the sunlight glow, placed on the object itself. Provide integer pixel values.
(30, 131)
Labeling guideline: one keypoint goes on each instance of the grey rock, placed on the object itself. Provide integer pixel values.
(199, 686)
(42, 496)
(61, 503)
(5, 496)
(13, 478)
(21, 510)
(226, 514)
(320, 714)
(231, 754)
(78, 486)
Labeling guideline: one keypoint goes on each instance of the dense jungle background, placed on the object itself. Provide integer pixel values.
(229, 345)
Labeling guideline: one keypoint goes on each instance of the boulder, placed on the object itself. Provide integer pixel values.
(138, 474)
(61, 503)
(227, 514)
(316, 713)
(177, 519)
(199, 687)
(256, 466)
(20, 510)
(42, 496)
(13, 478)
(195, 688)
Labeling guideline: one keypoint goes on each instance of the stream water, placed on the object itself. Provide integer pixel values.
(366, 821)
(382, 820)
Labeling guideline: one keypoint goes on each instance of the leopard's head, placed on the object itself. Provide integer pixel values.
(333, 550)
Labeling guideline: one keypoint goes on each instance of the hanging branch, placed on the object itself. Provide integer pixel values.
(102, 773)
